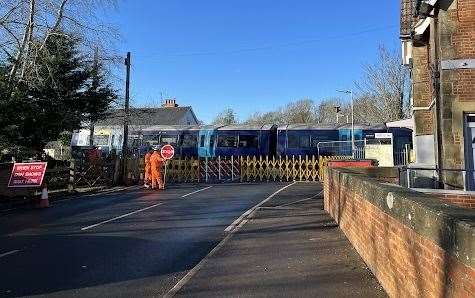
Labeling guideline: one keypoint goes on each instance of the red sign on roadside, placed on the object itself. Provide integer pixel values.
(167, 152)
(27, 174)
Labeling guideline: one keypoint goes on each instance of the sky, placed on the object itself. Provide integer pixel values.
(249, 55)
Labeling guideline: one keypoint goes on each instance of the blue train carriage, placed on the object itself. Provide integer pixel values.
(237, 140)
(303, 139)
(184, 138)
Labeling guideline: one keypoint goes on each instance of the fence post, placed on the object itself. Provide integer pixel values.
(408, 175)
(232, 168)
(206, 169)
(219, 168)
(71, 176)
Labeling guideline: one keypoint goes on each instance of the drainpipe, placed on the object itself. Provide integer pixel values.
(437, 87)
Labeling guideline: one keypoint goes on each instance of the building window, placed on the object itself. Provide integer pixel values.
(247, 141)
(202, 141)
(227, 141)
(101, 140)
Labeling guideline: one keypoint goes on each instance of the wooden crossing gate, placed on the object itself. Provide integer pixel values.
(243, 169)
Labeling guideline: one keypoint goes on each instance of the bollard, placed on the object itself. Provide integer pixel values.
(44, 200)
(71, 176)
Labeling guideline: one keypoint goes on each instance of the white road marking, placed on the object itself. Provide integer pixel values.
(277, 208)
(121, 216)
(250, 211)
(177, 287)
(9, 253)
(136, 211)
(192, 193)
(302, 200)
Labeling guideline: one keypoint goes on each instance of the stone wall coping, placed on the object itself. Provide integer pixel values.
(450, 227)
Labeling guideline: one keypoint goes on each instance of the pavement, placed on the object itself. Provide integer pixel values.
(288, 248)
(139, 243)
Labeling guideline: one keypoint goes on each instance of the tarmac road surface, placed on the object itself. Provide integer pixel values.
(140, 243)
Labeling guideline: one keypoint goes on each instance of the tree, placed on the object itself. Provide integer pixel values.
(383, 93)
(327, 111)
(226, 117)
(301, 111)
(26, 27)
(274, 117)
(66, 94)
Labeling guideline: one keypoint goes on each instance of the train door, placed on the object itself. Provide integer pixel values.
(207, 143)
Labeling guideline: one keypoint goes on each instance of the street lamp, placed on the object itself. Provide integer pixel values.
(350, 92)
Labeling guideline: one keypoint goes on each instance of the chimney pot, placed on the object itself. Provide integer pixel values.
(170, 103)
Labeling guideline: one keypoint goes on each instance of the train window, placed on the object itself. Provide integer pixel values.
(202, 141)
(150, 140)
(304, 141)
(211, 141)
(168, 140)
(248, 141)
(227, 141)
(292, 141)
(188, 140)
(316, 140)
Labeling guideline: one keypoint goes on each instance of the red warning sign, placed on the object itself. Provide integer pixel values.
(27, 174)
(167, 151)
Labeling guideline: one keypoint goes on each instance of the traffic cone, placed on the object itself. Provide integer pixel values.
(44, 201)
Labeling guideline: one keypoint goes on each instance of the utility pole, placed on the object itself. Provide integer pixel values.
(126, 120)
(126, 106)
(94, 86)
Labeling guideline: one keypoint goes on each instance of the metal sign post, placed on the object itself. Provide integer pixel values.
(167, 152)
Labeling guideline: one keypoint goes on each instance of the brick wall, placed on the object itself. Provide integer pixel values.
(414, 245)
(461, 200)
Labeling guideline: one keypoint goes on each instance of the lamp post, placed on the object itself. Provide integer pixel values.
(350, 92)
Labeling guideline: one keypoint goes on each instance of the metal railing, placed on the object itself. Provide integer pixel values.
(437, 178)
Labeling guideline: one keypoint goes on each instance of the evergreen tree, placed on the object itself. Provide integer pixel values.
(66, 93)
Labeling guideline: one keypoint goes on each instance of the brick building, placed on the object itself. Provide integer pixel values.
(438, 44)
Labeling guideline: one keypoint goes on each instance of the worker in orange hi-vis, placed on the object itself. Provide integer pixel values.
(156, 162)
(148, 168)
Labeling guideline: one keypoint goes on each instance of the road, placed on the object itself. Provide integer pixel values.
(124, 244)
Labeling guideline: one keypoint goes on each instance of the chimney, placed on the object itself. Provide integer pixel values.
(170, 103)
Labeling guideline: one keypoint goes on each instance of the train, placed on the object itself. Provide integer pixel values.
(255, 140)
